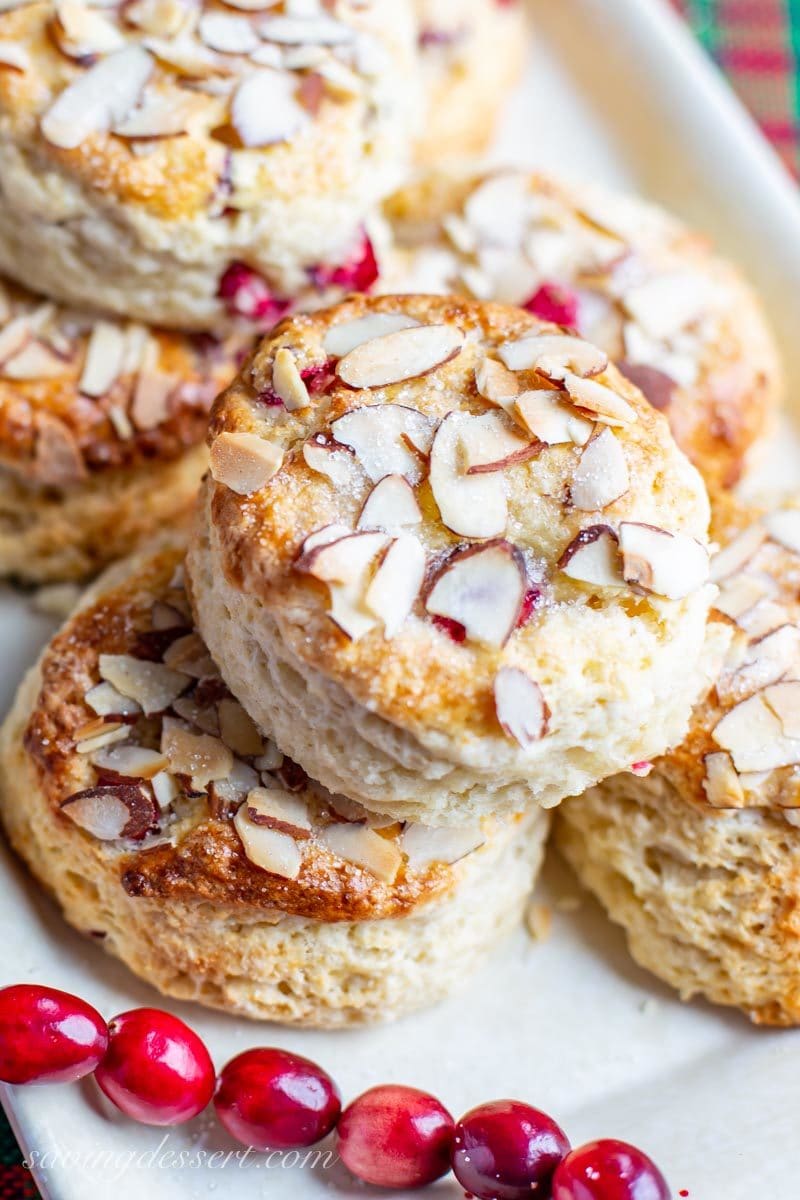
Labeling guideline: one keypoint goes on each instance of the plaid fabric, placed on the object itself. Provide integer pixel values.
(757, 44)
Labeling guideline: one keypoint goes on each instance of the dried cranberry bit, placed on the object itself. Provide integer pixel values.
(318, 379)
(453, 629)
(247, 294)
(156, 1069)
(530, 602)
(273, 1100)
(356, 274)
(609, 1170)
(48, 1036)
(396, 1137)
(555, 302)
(506, 1150)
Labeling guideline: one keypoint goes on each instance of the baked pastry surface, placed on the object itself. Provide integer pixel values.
(698, 861)
(389, 576)
(242, 885)
(679, 321)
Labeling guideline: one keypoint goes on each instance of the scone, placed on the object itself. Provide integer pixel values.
(699, 860)
(102, 433)
(678, 321)
(170, 829)
(152, 152)
(448, 558)
(472, 53)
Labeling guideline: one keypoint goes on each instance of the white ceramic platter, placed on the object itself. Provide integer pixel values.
(616, 90)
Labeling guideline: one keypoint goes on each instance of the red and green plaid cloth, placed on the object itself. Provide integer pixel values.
(757, 44)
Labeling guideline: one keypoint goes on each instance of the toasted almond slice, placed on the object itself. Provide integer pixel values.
(500, 208)
(82, 32)
(320, 30)
(265, 109)
(238, 730)
(391, 505)
(287, 382)
(150, 405)
(135, 762)
(14, 336)
(341, 339)
(482, 588)
(667, 564)
(783, 526)
(762, 618)
(106, 701)
(722, 785)
(103, 362)
(471, 505)
(381, 436)
(520, 705)
(770, 658)
(601, 477)
(113, 812)
(14, 56)
(334, 461)
(268, 849)
(554, 356)
(244, 462)
(152, 685)
(593, 557)
(276, 809)
(34, 361)
(58, 461)
(496, 383)
(599, 400)
(739, 594)
(668, 303)
(551, 420)
(490, 443)
(97, 99)
(738, 553)
(404, 354)
(237, 784)
(205, 717)
(396, 584)
(424, 845)
(189, 655)
(361, 846)
(227, 33)
(345, 565)
(166, 789)
(754, 736)
(198, 755)
(108, 735)
(784, 700)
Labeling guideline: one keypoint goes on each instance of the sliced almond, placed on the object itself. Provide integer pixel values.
(238, 730)
(14, 56)
(34, 361)
(382, 437)
(739, 594)
(104, 356)
(82, 32)
(424, 845)
(361, 846)
(735, 556)
(784, 700)
(474, 506)
(667, 564)
(783, 526)
(345, 565)
(722, 785)
(599, 400)
(481, 588)
(150, 405)
(98, 98)
(668, 303)
(58, 461)
(189, 655)
(396, 585)
(244, 462)
(135, 762)
(237, 784)
(162, 18)
(279, 810)
(593, 557)
(198, 755)
(152, 685)
(318, 29)
(391, 505)
(268, 849)
(227, 33)
(321, 537)
(334, 461)
(551, 420)
(166, 789)
(287, 382)
(204, 716)
(107, 735)
(404, 354)
(341, 339)
(113, 812)
(770, 658)
(490, 443)
(496, 383)
(106, 701)
(754, 736)
(265, 109)
(14, 336)
(554, 356)
(520, 705)
(160, 116)
(601, 477)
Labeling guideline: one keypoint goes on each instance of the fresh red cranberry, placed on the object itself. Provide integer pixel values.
(273, 1100)
(453, 629)
(608, 1170)
(48, 1036)
(156, 1069)
(554, 302)
(506, 1150)
(356, 274)
(395, 1137)
(247, 294)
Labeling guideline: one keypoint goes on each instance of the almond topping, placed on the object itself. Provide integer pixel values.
(784, 700)
(395, 357)
(391, 505)
(34, 361)
(135, 762)
(496, 383)
(755, 737)
(104, 355)
(110, 813)
(599, 400)
(335, 462)
(106, 701)
(425, 845)
(265, 109)
(152, 685)
(279, 810)
(98, 98)
(189, 655)
(554, 356)
(14, 56)
(361, 846)
(341, 339)
(667, 564)
(198, 755)
(345, 565)
(489, 443)
(783, 526)
(550, 420)
(520, 706)
(382, 437)
(396, 584)
(298, 31)
(244, 462)
(601, 476)
(227, 33)
(482, 588)
(722, 785)
(287, 382)
(268, 849)
(593, 557)
(471, 505)
(738, 552)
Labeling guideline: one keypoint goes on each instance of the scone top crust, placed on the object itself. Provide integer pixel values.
(140, 748)
(743, 747)
(186, 108)
(414, 486)
(680, 322)
(81, 394)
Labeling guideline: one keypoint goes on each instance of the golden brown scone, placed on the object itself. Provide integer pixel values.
(472, 53)
(680, 322)
(436, 605)
(173, 162)
(144, 799)
(699, 859)
(102, 430)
